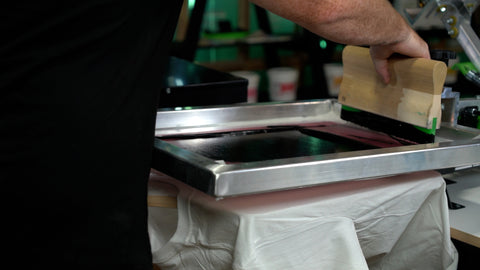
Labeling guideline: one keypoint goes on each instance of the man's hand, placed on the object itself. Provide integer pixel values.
(413, 46)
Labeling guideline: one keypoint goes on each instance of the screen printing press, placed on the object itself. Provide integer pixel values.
(293, 186)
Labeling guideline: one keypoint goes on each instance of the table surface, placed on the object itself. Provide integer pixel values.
(465, 222)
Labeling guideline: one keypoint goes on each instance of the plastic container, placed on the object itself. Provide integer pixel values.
(283, 83)
(333, 75)
(253, 82)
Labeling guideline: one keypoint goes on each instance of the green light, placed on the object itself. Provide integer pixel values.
(191, 3)
(323, 44)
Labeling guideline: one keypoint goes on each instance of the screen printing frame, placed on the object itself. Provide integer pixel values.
(454, 147)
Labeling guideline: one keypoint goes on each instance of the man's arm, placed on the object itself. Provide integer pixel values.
(357, 22)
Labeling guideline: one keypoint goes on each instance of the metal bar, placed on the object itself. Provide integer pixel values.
(240, 179)
(229, 117)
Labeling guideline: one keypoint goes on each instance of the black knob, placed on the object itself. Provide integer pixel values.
(468, 116)
(442, 55)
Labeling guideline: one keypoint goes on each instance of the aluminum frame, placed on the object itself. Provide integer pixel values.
(454, 147)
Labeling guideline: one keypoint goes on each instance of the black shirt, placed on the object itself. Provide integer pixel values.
(78, 90)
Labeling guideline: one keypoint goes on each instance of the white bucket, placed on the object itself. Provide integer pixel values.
(253, 81)
(333, 75)
(282, 83)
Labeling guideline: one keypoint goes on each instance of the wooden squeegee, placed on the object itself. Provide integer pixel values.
(413, 95)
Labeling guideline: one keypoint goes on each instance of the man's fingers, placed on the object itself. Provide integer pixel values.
(381, 66)
(413, 46)
(379, 55)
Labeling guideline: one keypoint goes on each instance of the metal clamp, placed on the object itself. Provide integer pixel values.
(455, 16)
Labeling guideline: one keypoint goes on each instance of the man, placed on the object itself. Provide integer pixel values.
(78, 93)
